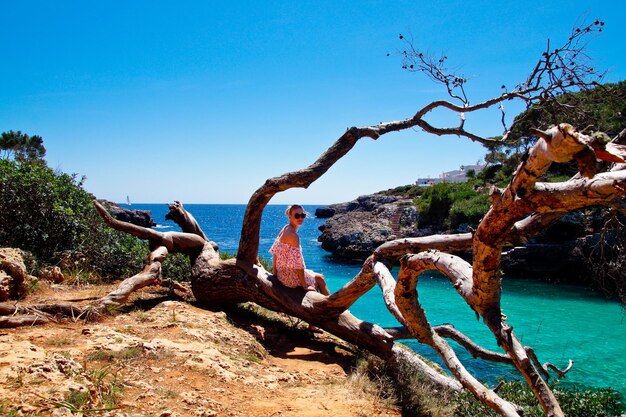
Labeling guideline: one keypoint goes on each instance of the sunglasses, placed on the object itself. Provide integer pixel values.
(299, 216)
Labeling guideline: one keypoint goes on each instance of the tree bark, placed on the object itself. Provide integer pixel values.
(151, 274)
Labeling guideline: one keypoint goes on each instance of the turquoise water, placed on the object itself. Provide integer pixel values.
(560, 322)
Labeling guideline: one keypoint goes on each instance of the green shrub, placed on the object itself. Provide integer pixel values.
(434, 205)
(406, 191)
(41, 209)
(469, 210)
(447, 205)
(224, 255)
(590, 403)
(499, 174)
(574, 402)
(417, 397)
(176, 267)
(107, 252)
(266, 263)
(410, 390)
(49, 214)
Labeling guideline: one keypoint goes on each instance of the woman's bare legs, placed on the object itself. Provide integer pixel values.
(321, 284)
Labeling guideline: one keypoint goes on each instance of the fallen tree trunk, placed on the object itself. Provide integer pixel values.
(522, 209)
(517, 212)
(513, 217)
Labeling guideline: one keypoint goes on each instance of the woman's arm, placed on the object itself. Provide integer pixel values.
(300, 273)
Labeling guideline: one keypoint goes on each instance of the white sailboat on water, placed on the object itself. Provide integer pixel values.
(128, 200)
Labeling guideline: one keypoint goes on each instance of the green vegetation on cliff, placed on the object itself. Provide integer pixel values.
(49, 214)
(415, 395)
(449, 205)
(446, 206)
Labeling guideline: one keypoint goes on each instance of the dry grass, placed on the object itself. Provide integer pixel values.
(59, 341)
(364, 385)
(414, 395)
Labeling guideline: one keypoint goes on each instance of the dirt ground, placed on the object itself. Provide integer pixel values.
(168, 358)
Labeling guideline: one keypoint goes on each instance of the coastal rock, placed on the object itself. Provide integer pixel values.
(139, 217)
(355, 235)
(555, 259)
(324, 212)
(567, 260)
(354, 229)
(12, 273)
(363, 203)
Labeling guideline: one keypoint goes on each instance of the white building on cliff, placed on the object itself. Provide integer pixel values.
(459, 175)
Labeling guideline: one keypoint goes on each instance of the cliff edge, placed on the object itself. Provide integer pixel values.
(355, 228)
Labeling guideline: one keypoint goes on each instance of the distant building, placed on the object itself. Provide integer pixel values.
(459, 175)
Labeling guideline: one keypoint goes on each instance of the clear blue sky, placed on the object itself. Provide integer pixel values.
(201, 101)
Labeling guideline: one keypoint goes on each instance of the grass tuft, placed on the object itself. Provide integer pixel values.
(127, 354)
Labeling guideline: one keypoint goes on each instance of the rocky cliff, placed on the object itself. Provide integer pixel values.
(138, 217)
(355, 228)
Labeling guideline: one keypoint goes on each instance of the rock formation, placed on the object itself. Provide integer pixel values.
(354, 229)
(12, 274)
(139, 217)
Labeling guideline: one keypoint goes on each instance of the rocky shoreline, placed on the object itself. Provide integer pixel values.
(139, 217)
(355, 228)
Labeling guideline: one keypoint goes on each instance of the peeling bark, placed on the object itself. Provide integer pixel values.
(151, 274)
(415, 317)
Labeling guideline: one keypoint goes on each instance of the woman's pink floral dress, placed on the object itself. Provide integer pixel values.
(288, 260)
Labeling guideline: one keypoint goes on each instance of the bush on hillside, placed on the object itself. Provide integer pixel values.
(602, 402)
(448, 205)
(49, 214)
(469, 210)
(406, 191)
(176, 267)
(415, 395)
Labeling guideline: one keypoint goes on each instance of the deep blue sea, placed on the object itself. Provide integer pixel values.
(560, 322)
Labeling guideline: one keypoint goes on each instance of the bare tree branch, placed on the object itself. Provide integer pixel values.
(187, 243)
(417, 323)
(558, 71)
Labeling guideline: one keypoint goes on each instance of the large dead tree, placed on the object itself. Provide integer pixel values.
(525, 207)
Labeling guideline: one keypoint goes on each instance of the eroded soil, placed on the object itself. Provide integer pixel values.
(170, 358)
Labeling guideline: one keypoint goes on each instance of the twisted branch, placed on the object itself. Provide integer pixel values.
(408, 303)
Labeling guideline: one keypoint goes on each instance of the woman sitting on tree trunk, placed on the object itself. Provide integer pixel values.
(288, 263)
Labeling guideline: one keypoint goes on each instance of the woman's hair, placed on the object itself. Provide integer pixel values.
(292, 208)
